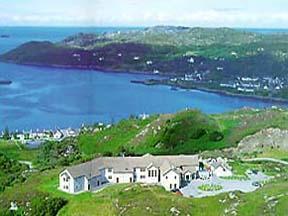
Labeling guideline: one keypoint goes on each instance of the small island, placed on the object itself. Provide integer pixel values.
(4, 36)
(5, 82)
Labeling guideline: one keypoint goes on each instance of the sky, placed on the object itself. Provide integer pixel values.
(204, 13)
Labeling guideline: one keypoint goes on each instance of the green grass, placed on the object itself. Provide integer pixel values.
(210, 187)
(17, 151)
(113, 139)
(255, 204)
(274, 153)
(176, 132)
(126, 198)
(135, 199)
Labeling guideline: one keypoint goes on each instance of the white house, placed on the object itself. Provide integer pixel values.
(220, 169)
(171, 172)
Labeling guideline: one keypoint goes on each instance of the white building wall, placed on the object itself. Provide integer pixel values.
(140, 175)
(66, 182)
(170, 180)
(222, 172)
(152, 179)
(122, 177)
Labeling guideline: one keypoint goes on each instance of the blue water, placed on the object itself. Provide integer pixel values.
(50, 97)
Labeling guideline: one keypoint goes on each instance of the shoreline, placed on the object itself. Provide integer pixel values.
(93, 69)
(145, 82)
(215, 91)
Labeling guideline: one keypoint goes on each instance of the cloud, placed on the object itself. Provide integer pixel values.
(142, 13)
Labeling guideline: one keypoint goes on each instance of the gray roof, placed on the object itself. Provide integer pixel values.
(127, 164)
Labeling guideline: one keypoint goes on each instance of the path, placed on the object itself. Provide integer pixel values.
(267, 159)
(29, 163)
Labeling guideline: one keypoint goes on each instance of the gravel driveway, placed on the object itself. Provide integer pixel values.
(228, 185)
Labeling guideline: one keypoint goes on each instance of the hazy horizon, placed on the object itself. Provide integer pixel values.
(126, 13)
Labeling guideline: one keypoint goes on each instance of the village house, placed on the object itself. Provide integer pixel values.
(171, 172)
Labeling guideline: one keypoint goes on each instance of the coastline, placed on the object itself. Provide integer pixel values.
(156, 82)
(93, 69)
(215, 91)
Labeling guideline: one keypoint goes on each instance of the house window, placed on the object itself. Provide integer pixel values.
(166, 177)
(175, 186)
(175, 177)
(64, 179)
(142, 169)
(170, 186)
(109, 177)
(130, 179)
(117, 180)
(149, 173)
(109, 169)
(142, 177)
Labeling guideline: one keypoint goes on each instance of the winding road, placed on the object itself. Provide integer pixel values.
(268, 160)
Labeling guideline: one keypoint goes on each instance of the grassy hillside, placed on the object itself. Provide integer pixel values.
(188, 131)
(138, 199)
(11, 172)
(184, 132)
(164, 49)
(18, 151)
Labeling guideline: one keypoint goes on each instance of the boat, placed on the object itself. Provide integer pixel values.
(5, 82)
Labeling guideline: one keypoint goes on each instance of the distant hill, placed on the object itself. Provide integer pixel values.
(212, 55)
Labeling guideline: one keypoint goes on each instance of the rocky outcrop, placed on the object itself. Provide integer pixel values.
(272, 138)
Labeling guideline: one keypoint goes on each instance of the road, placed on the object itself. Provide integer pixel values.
(268, 160)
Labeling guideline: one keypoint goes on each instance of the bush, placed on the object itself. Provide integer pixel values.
(210, 187)
(216, 136)
(46, 206)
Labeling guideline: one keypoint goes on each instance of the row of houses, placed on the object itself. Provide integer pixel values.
(171, 172)
(45, 135)
(250, 85)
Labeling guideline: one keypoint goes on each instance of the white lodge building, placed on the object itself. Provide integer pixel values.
(172, 172)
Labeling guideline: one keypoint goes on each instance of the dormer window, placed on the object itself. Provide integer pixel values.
(109, 169)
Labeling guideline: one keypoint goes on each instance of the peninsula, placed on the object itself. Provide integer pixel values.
(230, 60)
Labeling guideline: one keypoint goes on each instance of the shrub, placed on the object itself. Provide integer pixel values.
(46, 206)
(216, 136)
(210, 187)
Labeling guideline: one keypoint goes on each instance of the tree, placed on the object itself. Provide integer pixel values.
(6, 134)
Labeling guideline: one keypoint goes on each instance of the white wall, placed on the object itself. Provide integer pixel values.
(138, 173)
(220, 172)
(170, 179)
(152, 179)
(64, 184)
(122, 177)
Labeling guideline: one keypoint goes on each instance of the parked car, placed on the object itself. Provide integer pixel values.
(256, 184)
